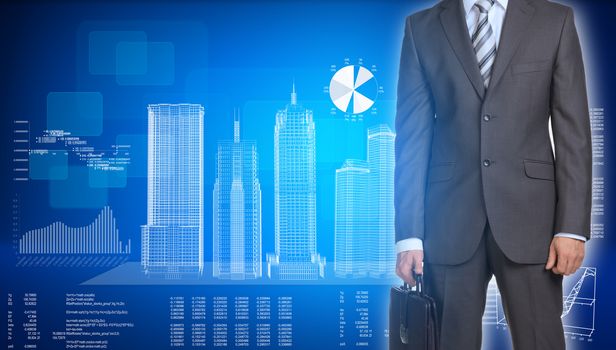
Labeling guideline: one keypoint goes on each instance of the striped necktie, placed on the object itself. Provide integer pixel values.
(484, 41)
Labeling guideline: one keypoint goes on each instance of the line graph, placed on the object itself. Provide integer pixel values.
(58, 244)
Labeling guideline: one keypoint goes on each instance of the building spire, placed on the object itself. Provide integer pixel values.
(236, 125)
(293, 94)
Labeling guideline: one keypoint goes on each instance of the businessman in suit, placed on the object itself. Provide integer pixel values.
(479, 192)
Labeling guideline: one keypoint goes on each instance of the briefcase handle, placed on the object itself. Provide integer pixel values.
(404, 336)
(418, 283)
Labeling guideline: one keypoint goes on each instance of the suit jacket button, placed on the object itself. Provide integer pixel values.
(487, 117)
(486, 162)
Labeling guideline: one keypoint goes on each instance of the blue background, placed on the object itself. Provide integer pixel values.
(221, 55)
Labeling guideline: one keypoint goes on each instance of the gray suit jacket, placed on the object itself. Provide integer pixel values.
(465, 154)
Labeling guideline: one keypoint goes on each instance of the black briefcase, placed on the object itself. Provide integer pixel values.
(412, 318)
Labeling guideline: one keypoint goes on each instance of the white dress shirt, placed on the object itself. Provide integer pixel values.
(496, 17)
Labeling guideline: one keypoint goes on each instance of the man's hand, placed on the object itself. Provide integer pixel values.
(407, 262)
(566, 255)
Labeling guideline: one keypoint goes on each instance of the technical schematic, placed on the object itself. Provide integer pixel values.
(579, 304)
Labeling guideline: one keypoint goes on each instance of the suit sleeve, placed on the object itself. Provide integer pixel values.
(572, 137)
(414, 124)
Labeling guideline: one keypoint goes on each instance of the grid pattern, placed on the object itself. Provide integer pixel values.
(352, 219)
(381, 159)
(295, 256)
(172, 240)
(237, 210)
(364, 217)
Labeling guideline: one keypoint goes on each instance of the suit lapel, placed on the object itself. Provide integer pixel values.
(518, 15)
(453, 20)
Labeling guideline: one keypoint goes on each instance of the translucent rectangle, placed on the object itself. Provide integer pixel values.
(102, 49)
(160, 67)
(138, 153)
(48, 165)
(106, 178)
(80, 113)
(132, 58)
(75, 191)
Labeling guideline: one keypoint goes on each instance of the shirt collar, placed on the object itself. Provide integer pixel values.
(468, 4)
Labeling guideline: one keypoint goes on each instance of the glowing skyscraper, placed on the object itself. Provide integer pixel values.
(381, 160)
(364, 217)
(353, 219)
(236, 207)
(172, 239)
(295, 190)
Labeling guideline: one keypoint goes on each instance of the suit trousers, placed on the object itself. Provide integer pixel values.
(532, 299)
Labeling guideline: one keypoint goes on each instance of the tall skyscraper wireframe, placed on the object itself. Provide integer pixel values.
(237, 209)
(295, 207)
(353, 219)
(364, 217)
(172, 239)
(381, 160)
